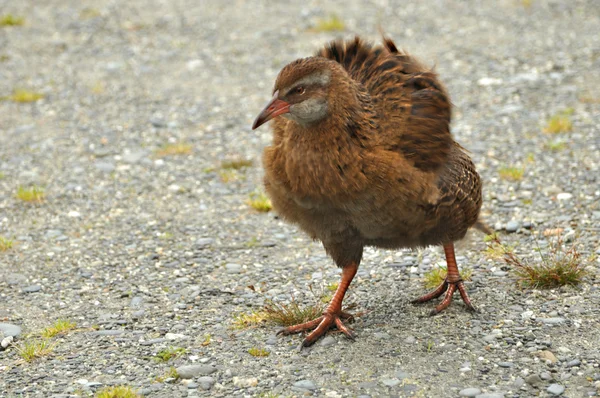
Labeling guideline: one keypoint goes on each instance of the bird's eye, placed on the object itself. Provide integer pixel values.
(299, 90)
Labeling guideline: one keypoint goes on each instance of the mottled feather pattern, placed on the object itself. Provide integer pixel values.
(412, 102)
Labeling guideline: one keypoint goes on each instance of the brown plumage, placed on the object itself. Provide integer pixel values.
(362, 155)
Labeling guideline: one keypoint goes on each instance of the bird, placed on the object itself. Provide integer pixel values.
(362, 156)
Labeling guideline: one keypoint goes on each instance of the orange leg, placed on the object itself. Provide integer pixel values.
(452, 283)
(333, 314)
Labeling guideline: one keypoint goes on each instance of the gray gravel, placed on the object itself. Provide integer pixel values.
(146, 253)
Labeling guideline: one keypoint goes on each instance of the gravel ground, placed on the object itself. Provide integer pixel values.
(144, 252)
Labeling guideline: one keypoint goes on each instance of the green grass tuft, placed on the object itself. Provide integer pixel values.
(5, 244)
(61, 326)
(332, 23)
(169, 353)
(556, 145)
(33, 349)
(511, 173)
(117, 392)
(33, 194)
(176, 149)
(258, 352)
(171, 373)
(260, 202)
(560, 122)
(558, 266)
(246, 320)
(24, 96)
(434, 277)
(11, 20)
(236, 164)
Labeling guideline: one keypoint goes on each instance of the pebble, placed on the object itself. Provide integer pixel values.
(564, 196)
(469, 392)
(327, 341)
(111, 332)
(555, 389)
(506, 364)
(390, 382)
(206, 382)
(32, 289)
(410, 340)
(305, 385)
(204, 242)
(512, 226)
(245, 382)
(548, 356)
(575, 362)
(552, 321)
(401, 375)
(191, 371)
(9, 329)
(233, 268)
(490, 395)
(105, 167)
(174, 336)
(6, 342)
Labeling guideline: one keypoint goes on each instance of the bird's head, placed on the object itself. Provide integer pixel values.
(302, 92)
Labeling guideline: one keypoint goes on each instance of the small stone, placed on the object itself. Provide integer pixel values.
(233, 268)
(469, 392)
(245, 382)
(328, 340)
(9, 329)
(555, 389)
(564, 196)
(410, 340)
(73, 214)
(110, 332)
(401, 375)
(191, 371)
(575, 362)
(304, 385)
(381, 335)
(552, 321)
(526, 314)
(512, 226)
(6, 342)
(534, 380)
(174, 336)
(548, 356)
(519, 382)
(390, 382)
(204, 242)
(491, 395)
(206, 382)
(546, 376)
(134, 157)
(136, 302)
(105, 167)
(506, 364)
(32, 289)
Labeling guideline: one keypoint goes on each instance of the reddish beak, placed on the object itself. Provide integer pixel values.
(274, 108)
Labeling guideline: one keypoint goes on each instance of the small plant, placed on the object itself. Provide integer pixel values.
(511, 173)
(117, 392)
(434, 277)
(166, 236)
(332, 23)
(33, 349)
(556, 146)
(169, 353)
(560, 266)
(23, 96)
(560, 123)
(254, 318)
(33, 194)
(228, 175)
(292, 313)
(5, 244)
(430, 345)
(237, 164)
(176, 149)
(258, 352)
(61, 326)
(260, 202)
(171, 373)
(2, 175)
(207, 340)
(11, 20)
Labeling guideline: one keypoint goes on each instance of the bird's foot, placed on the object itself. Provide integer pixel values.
(449, 288)
(321, 325)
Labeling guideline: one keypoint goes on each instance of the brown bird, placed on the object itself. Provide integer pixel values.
(362, 155)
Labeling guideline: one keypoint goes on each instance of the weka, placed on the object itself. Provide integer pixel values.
(363, 156)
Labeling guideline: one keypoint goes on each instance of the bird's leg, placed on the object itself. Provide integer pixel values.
(333, 314)
(452, 283)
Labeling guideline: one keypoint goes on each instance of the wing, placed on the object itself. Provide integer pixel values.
(414, 107)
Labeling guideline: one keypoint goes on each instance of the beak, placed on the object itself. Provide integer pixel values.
(274, 108)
